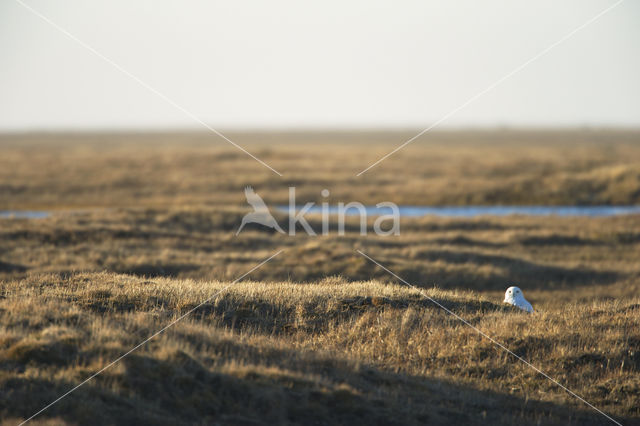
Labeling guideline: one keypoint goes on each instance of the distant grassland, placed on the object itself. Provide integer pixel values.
(561, 258)
(440, 168)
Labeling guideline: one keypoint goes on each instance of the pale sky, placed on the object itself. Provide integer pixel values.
(338, 64)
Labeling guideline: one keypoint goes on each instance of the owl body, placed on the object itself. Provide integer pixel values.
(514, 296)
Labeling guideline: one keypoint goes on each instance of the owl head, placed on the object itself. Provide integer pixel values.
(513, 294)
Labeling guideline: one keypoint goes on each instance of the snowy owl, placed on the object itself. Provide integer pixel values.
(514, 297)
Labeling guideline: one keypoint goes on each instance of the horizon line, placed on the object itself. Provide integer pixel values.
(317, 129)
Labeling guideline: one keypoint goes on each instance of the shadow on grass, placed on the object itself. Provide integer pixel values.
(273, 319)
(508, 271)
(152, 270)
(12, 267)
(296, 388)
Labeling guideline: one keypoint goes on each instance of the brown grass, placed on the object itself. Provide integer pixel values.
(143, 231)
(455, 168)
(332, 351)
(581, 258)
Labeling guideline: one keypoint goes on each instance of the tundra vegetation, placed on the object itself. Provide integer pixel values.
(142, 231)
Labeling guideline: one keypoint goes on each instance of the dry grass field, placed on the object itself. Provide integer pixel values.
(441, 168)
(142, 231)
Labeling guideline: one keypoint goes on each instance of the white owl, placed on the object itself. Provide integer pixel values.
(514, 296)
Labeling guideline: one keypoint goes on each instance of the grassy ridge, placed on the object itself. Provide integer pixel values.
(555, 260)
(315, 353)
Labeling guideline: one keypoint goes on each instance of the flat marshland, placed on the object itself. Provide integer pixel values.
(142, 231)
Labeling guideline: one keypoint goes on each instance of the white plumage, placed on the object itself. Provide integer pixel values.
(514, 297)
